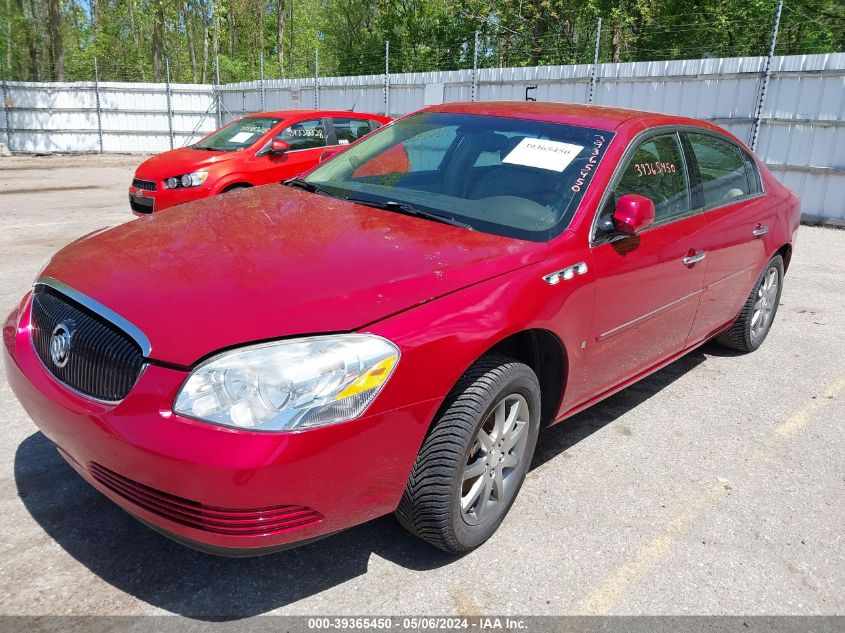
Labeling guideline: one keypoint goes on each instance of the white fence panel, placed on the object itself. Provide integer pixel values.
(802, 136)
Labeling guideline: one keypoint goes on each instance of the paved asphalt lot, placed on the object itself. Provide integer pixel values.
(716, 486)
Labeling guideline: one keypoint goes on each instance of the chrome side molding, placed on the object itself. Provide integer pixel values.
(565, 274)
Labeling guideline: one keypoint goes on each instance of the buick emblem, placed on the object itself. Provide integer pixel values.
(60, 343)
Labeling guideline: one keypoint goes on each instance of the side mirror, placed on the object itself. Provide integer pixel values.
(279, 147)
(329, 152)
(633, 213)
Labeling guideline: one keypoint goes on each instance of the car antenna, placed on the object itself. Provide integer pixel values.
(354, 103)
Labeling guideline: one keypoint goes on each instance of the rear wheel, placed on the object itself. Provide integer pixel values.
(475, 457)
(754, 322)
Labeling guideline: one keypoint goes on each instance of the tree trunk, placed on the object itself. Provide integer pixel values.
(215, 31)
(233, 35)
(33, 71)
(54, 22)
(616, 42)
(158, 41)
(8, 67)
(280, 36)
(189, 31)
(130, 4)
(205, 24)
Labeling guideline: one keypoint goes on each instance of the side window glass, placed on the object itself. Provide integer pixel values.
(304, 134)
(350, 130)
(656, 171)
(753, 175)
(722, 165)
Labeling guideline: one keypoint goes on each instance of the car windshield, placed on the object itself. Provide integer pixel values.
(237, 135)
(513, 177)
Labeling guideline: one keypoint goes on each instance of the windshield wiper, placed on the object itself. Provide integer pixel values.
(407, 209)
(299, 183)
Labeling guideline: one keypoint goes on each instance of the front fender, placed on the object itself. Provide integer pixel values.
(441, 339)
(230, 179)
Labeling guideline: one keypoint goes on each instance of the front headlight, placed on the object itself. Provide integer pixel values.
(194, 179)
(289, 385)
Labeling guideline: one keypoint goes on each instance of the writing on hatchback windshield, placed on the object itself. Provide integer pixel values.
(237, 135)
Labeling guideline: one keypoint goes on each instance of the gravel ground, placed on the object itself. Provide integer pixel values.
(715, 486)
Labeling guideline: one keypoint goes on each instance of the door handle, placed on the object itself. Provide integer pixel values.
(694, 257)
(759, 230)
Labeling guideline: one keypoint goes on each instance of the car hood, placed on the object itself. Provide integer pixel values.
(180, 161)
(273, 262)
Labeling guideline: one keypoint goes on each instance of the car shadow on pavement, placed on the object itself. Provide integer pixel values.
(169, 576)
(555, 440)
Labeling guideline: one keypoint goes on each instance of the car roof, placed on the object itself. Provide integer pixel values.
(600, 117)
(287, 114)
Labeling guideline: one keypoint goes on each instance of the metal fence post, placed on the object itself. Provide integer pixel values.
(764, 85)
(169, 102)
(387, 78)
(261, 80)
(97, 103)
(6, 113)
(217, 94)
(317, 78)
(595, 66)
(474, 95)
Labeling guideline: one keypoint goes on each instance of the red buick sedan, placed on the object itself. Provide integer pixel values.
(258, 149)
(390, 332)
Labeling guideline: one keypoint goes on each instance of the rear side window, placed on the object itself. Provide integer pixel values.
(657, 171)
(304, 134)
(753, 174)
(725, 170)
(350, 130)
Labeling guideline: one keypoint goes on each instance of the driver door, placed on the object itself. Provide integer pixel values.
(649, 285)
(307, 139)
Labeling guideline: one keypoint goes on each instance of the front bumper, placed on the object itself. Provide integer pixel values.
(143, 202)
(223, 490)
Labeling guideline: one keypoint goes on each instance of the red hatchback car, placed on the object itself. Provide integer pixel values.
(390, 332)
(257, 149)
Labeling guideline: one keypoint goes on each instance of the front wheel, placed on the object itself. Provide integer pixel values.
(755, 320)
(475, 457)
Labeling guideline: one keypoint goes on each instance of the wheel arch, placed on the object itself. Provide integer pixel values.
(545, 354)
(238, 184)
(785, 252)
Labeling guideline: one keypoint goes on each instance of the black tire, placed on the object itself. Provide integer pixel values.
(741, 335)
(431, 504)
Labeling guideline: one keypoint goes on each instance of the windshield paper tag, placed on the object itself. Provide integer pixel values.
(543, 154)
(241, 137)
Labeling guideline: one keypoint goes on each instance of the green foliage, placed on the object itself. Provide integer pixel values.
(133, 40)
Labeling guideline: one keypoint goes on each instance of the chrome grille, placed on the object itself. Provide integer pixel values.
(103, 362)
(146, 185)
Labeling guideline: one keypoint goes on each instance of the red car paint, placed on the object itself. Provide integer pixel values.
(233, 169)
(276, 262)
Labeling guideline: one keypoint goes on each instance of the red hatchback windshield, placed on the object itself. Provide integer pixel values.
(237, 135)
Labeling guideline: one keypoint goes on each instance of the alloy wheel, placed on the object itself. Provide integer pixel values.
(764, 306)
(490, 474)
